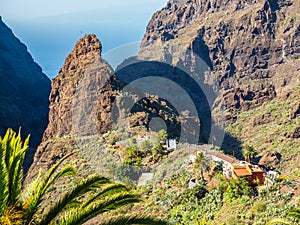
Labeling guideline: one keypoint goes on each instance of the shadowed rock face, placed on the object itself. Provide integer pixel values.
(251, 47)
(24, 89)
(84, 93)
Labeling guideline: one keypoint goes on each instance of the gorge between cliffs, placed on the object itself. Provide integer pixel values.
(213, 81)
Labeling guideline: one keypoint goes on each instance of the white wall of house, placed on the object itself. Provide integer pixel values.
(171, 143)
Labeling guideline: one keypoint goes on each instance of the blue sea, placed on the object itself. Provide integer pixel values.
(49, 39)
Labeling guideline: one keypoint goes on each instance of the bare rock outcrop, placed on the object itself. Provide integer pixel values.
(72, 78)
(250, 47)
(270, 160)
(80, 102)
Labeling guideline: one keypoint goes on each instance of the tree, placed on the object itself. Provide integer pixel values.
(159, 140)
(295, 213)
(237, 188)
(132, 156)
(161, 137)
(249, 153)
(92, 196)
(146, 147)
(202, 165)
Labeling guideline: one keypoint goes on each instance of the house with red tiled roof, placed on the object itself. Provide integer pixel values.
(253, 173)
(232, 167)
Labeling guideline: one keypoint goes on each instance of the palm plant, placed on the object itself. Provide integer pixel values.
(202, 164)
(12, 153)
(249, 153)
(91, 197)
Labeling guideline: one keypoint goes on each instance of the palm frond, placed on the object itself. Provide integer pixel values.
(37, 198)
(66, 171)
(13, 153)
(11, 216)
(294, 213)
(81, 189)
(108, 190)
(30, 189)
(278, 222)
(16, 171)
(116, 201)
(3, 179)
(45, 182)
(109, 204)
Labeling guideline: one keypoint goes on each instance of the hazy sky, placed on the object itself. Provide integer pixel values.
(50, 28)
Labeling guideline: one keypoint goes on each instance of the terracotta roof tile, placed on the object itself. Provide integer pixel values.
(241, 171)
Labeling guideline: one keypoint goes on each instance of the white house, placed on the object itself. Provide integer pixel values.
(226, 161)
(171, 143)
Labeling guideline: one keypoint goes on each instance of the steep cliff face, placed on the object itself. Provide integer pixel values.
(80, 102)
(86, 101)
(252, 48)
(24, 89)
(83, 71)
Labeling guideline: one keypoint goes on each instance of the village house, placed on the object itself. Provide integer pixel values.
(225, 160)
(232, 167)
(171, 143)
(253, 173)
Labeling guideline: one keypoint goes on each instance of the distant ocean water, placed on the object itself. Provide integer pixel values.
(49, 47)
(50, 39)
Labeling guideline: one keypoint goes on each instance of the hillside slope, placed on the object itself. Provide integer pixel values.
(24, 89)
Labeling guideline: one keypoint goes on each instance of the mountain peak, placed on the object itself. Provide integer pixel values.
(89, 43)
(87, 50)
(74, 76)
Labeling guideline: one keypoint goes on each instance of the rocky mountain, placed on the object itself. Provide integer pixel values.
(24, 89)
(236, 60)
(251, 47)
(83, 71)
(251, 50)
(232, 56)
(80, 101)
(86, 100)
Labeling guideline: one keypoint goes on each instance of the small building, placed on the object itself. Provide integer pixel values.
(192, 183)
(253, 173)
(270, 177)
(226, 161)
(171, 143)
